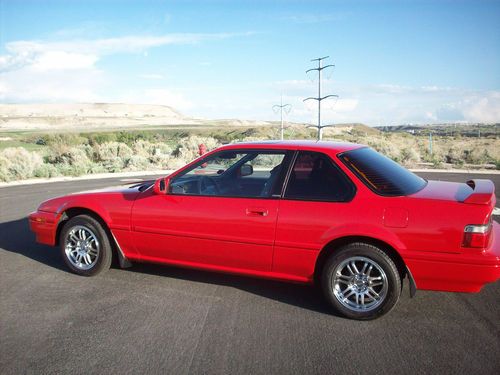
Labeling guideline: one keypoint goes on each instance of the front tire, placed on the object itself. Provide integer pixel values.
(85, 246)
(361, 281)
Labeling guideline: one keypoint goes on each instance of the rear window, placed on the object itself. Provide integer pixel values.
(381, 174)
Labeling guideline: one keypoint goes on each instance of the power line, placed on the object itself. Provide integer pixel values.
(319, 98)
(282, 107)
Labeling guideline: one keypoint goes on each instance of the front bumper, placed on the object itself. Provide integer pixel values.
(466, 272)
(44, 225)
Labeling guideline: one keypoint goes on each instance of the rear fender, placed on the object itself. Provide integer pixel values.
(372, 231)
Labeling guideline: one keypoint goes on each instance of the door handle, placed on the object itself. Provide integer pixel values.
(255, 211)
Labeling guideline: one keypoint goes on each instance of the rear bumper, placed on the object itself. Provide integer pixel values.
(44, 225)
(466, 272)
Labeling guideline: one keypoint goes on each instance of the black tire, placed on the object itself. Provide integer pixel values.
(92, 240)
(341, 279)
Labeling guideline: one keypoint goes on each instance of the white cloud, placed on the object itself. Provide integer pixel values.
(380, 104)
(60, 60)
(483, 108)
(32, 85)
(25, 52)
(48, 71)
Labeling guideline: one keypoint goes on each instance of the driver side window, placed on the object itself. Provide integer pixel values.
(230, 173)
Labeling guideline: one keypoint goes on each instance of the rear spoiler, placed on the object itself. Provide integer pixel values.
(483, 192)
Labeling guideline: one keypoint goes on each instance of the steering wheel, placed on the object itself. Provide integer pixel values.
(204, 182)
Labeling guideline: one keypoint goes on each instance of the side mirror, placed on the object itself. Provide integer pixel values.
(246, 170)
(160, 186)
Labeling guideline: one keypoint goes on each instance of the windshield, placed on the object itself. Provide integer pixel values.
(381, 174)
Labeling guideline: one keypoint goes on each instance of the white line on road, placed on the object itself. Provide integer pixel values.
(496, 211)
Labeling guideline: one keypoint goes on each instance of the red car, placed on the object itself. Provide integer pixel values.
(337, 214)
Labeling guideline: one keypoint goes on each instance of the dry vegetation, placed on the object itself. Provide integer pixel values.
(73, 154)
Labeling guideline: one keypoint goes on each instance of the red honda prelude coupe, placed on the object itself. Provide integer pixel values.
(336, 214)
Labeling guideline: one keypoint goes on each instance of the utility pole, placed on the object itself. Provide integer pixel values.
(282, 107)
(319, 98)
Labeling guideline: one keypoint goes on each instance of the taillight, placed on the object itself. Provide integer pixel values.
(477, 235)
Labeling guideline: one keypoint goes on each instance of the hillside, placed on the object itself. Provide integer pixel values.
(85, 116)
(103, 116)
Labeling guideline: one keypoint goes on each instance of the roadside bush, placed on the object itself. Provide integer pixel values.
(17, 163)
(95, 139)
(385, 147)
(64, 139)
(4, 169)
(454, 156)
(72, 161)
(143, 148)
(187, 149)
(46, 171)
(409, 157)
(113, 156)
(138, 163)
(476, 156)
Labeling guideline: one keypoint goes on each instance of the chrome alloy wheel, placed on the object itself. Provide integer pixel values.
(359, 284)
(81, 247)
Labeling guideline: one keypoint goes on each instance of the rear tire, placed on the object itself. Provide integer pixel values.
(361, 281)
(85, 246)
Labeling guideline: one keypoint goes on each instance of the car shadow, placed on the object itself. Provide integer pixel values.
(300, 295)
(16, 237)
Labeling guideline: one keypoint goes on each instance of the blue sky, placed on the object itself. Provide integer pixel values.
(395, 61)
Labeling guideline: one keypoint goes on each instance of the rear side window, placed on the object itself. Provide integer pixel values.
(315, 177)
(381, 174)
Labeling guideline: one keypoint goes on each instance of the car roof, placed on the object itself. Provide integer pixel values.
(295, 145)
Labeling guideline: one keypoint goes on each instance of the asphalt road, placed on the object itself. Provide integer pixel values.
(156, 319)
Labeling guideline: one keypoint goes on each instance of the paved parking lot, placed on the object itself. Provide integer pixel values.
(154, 319)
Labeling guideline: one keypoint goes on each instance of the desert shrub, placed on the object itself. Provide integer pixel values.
(113, 156)
(46, 171)
(409, 156)
(454, 156)
(110, 150)
(66, 139)
(385, 147)
(187, 149)
(95, 139)
(72, 161)
(129, 137)
(4, 169)
(18, 163)
(476, 156)
(138, 163)
(143, 148)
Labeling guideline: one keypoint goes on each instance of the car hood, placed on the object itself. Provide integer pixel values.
(122, 193)
(133, 188)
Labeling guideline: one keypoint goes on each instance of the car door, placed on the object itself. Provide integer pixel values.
(318, 197)
(218, 213)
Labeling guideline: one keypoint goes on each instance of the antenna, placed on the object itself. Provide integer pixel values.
(319, 98)
(282, 107)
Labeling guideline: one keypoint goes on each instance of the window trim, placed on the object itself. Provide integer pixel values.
(335, 166)
(287, 155)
